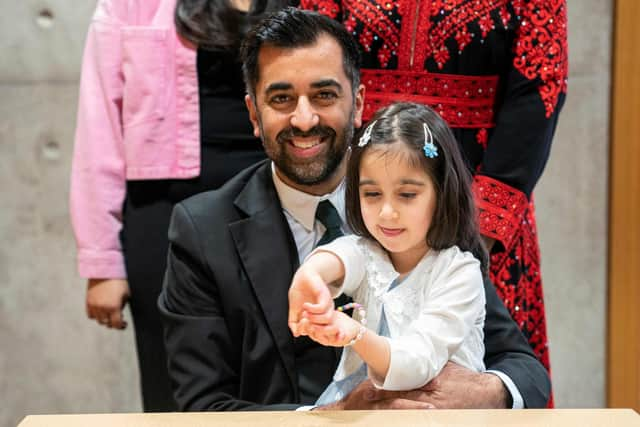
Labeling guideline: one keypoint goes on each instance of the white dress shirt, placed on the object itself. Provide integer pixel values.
(300, 210)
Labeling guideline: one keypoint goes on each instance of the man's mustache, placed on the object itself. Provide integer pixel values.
(293, 132)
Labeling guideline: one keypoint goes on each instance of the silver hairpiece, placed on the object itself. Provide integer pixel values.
(430, 149)
(366, 136)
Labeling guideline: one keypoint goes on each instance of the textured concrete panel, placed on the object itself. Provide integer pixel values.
(571, 210)
(53, 359)
(43, 39)
(571, 207)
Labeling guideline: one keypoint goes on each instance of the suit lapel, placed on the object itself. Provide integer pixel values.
(269, 256)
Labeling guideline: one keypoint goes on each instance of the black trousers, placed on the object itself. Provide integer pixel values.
(146, 218)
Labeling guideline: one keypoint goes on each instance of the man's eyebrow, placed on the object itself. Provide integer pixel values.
(276, 86)
(327, 83)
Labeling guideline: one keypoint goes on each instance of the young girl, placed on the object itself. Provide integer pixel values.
(413, 268)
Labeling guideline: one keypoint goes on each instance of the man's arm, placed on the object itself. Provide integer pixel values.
(507, 351)
(203, 360)
(455, 388)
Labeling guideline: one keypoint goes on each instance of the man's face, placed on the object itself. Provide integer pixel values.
(305, 112)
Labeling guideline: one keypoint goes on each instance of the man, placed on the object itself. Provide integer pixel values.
(233, 251)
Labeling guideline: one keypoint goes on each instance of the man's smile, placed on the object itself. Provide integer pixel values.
(306, 147)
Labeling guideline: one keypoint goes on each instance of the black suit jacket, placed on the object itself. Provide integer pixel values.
(224, 305)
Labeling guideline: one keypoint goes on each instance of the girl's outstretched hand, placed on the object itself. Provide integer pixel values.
(339, 332)
(309, 301)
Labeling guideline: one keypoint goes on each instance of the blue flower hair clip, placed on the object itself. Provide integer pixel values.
(430, 149)
(366, 136)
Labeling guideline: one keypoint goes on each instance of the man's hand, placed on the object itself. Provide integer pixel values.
(105, 300)
(455, 387)
(366, 397)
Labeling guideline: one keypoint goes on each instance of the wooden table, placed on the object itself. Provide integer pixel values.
(520, 418)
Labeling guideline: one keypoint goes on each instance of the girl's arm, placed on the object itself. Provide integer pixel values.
(452, 312)
(98, 169)
(98, 182)
(329, 271)
(342, 330)
(309, 295)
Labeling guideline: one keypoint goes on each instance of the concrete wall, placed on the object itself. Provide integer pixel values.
(571, 207)
(53, 360)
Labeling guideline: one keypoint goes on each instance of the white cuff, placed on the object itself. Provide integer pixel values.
(306, 408)
(516, 397)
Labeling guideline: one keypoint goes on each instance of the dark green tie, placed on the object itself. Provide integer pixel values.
(329, 217)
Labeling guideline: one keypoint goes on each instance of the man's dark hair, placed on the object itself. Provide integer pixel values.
(454, 221)
(292, 28)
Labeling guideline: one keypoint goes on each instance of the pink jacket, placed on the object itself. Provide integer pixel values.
(138, 118)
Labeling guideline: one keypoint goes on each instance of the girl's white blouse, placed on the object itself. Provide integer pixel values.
(435, 315)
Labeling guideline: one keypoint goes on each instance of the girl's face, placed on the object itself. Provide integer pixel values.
(397, 201)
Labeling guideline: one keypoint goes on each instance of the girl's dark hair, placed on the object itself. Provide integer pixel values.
(454, 220)
(216, 24)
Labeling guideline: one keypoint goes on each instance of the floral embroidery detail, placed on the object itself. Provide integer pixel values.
(456, 19)
(384, 54)
(375, 20)
(541, 49)
(441, 56)
(463, 38)
(423, 29)
(505, 16)
(501, 208)
(365, 40)
(326, 7)
(523, 297)
(350, 24)
(486, 25)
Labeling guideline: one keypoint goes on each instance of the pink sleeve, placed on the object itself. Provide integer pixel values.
(98, 180)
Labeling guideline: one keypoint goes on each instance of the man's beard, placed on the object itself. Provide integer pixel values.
(314, 170)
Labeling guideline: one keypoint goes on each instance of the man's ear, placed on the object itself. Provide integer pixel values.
(359, 107)
(253, 114)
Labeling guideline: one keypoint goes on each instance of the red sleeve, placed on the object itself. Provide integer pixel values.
(533, 93)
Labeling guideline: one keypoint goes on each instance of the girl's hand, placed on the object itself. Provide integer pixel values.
(309, 301)
(105, 300)
(337, 333)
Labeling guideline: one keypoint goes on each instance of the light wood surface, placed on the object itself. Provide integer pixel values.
(498, 418)
(623, 388)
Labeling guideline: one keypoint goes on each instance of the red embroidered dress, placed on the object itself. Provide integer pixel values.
(496, 70)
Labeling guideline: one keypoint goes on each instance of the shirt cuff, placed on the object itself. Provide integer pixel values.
(306, 408)
(516, 397)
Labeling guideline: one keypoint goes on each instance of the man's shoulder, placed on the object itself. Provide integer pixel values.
(220, 204)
